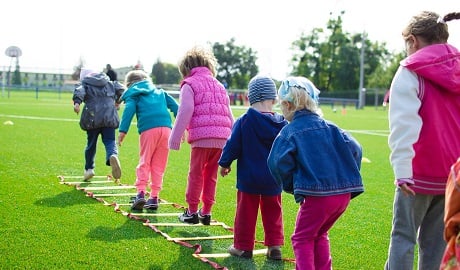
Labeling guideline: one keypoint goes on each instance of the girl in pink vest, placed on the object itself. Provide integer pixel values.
(204, 112)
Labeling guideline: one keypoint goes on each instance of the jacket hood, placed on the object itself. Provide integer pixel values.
(137, 89)
(98, 80)
(438, 63)
(266, 125)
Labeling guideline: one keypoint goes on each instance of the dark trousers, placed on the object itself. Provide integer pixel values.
(108, 138)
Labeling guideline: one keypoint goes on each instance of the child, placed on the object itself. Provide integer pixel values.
(99, 117)
(424, 120)
(251, 140)
(451, 257)
(150, 105)
(205, 113)
(319, 164)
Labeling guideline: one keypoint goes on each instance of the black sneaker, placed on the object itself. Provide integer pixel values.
(186, 217)
(151, 204)
(247, 254)
(139, 202)
(204, 219)
(274, 253)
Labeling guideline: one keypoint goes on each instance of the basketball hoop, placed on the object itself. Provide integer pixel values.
(13, 51)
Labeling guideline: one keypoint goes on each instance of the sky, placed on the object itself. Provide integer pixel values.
(54, 35)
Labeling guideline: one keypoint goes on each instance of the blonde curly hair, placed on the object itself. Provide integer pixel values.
(197, 56)
(135, 76)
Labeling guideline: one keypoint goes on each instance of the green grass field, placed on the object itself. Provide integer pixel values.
(48, 225)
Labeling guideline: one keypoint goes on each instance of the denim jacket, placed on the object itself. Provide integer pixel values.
(314, 157)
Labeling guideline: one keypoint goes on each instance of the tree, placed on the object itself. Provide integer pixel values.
(236, 64)
(172, 73)
(158, 73)
(165, 73)
(383, 75)
(331, 57)
(77, 69)
(17, 74)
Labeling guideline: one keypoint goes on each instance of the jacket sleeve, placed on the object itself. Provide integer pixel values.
(79, 94)
(281, 163)
(232, 148)
(354, 146)
(404, 120)
(119, 89)
(183, 118)
(171, 103)
(128, 114)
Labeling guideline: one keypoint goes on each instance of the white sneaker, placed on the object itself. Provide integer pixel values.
(116, 168)
(88, 174)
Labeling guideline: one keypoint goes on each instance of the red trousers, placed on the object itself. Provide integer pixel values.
(202, 179)
(247, 209)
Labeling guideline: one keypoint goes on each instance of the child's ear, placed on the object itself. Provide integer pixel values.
(286, 104)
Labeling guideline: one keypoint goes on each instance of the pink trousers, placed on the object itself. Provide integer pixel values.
(153, 157)
(202, 179)
(310, 240)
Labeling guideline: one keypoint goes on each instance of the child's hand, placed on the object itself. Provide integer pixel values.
(407, 190)
(184, 137)
(76, 108)
(225, 171)
(121, 137)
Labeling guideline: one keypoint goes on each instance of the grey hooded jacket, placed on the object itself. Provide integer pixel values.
(99, 95)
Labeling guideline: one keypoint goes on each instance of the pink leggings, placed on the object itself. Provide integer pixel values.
(153, 156)
(310, 240)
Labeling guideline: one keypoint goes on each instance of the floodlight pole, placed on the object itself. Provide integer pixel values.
(3, 81)
(362, 90)
(12, 52)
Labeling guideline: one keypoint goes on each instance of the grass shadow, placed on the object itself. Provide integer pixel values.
(64, 199)
(127, 231)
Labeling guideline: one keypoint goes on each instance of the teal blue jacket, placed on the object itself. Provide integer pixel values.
(149, 104)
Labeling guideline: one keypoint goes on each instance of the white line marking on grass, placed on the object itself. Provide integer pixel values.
(39, 118)
(225, 255)
(383, 133)
(46, 118)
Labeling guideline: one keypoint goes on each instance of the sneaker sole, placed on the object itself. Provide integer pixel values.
(275, 258)
(151, 207)
(88, 177)
(116, 169)
(205, 220)
(189, 221)
(240, 253)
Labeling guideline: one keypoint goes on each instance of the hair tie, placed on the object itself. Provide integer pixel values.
(299, 82)
(440, 20)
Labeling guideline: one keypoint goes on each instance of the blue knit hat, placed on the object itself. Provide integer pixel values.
(261, 88)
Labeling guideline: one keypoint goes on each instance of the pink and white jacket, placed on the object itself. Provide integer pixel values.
(424, 117)
(204, 111)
